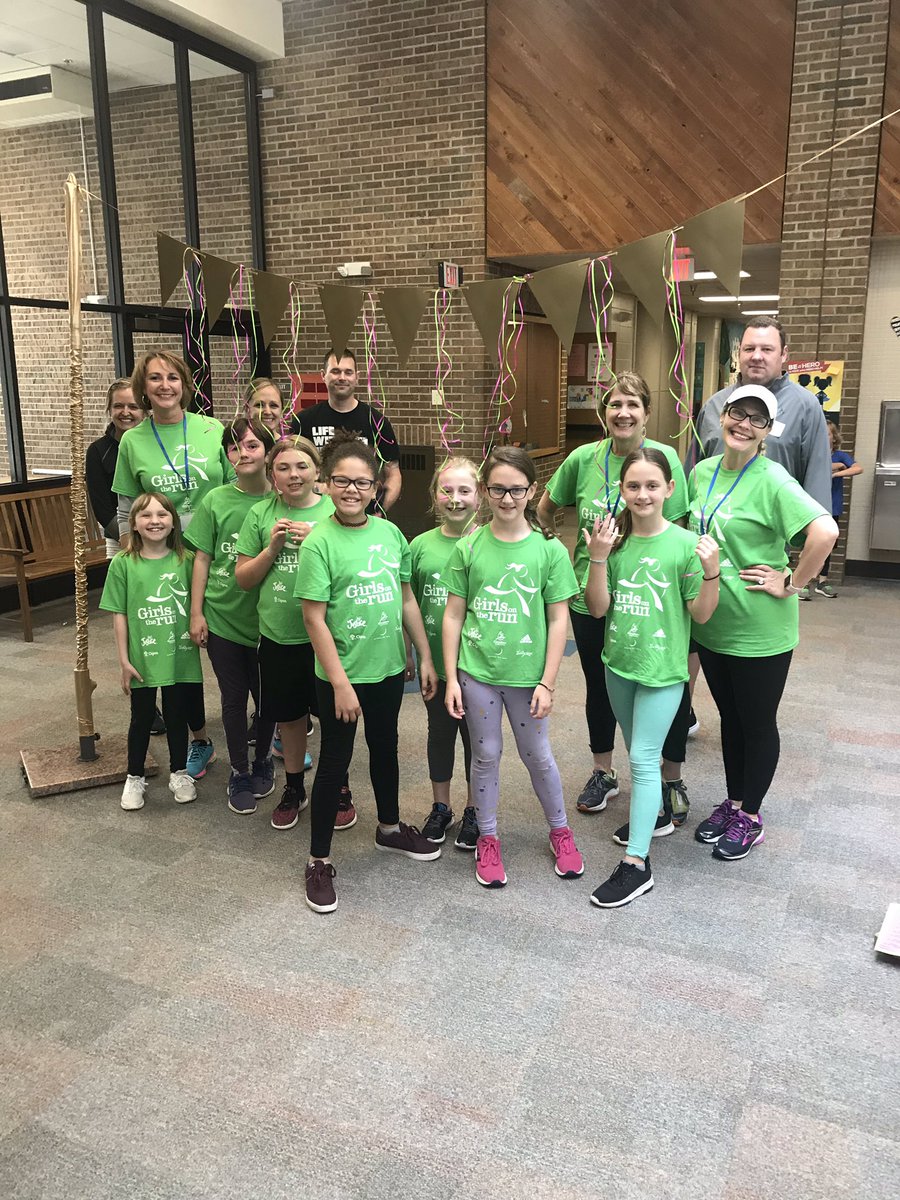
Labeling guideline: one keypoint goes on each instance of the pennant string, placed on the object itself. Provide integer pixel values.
(507, 347)
(291, 366)
(677, 379)
(196, 327)
(240, 338)
(374, 383)
(600, 304)
(451, 421)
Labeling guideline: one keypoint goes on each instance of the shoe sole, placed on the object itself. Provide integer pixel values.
(693, 731)
(464, 846)
(664, 832)
(131, 807)
(242, 812)
(491, 883)
(568, 874)
(186, 800)
(706, 841)
(736, 857)
(419, 857)
(346, 825)
(587, 808)
(679, 822)
(200, 774)
(825, 595)
(645, 887)
(437, 841)
(281, 827)
(320, 908)
(262, 795)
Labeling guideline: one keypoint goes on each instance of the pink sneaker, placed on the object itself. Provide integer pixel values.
(569, 863)
(488, 863)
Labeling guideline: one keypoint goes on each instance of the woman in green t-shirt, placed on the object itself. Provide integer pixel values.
(588, 479)
(148, 589)
(752, 507)
(353, 580)
(652, 577)
(223, 616)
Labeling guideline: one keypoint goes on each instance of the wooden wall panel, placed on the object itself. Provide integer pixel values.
(609, 120)
(887, 196)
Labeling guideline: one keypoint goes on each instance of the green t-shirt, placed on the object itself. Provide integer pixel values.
(155, 596)
(230, 611)
(430, 553)
(506, 587)
(142, 466)
(589, 480)
(280, 613)
(358, 573)
(648, 626)
(766, 509)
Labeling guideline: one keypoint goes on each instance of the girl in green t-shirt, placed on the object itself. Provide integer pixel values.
(649, 578)
(753, 508)
(148, 588)
(353, 579)
(505, 628)
(455, 499)
(223, 616)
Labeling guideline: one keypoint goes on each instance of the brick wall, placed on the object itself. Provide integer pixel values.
(838, 85)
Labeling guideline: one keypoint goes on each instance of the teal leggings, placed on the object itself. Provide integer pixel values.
(645, 715)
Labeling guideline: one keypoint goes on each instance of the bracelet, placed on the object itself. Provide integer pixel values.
(597, 560)
(710, 577)
(540, 683)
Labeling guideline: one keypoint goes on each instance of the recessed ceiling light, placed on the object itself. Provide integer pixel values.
(759, 312)
(718, 299)
(713, 275)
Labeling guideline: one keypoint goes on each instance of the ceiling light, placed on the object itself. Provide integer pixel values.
(713, 275)
(759, 312)
(718, 299)
(752, 299)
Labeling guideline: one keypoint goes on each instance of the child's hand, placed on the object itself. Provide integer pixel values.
(453, 701)
(199, 631)
(427, 678)
(708, 553)
(410, 673)
(601, 541)
(541, 702)
(279, 534)
(298, 530)
(129, 673)
(346, 703)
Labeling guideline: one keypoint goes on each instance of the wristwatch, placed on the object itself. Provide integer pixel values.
(789, 589)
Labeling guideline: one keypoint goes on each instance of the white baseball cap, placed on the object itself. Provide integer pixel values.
(755, 391)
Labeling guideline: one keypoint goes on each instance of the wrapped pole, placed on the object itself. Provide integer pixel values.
(84, 685)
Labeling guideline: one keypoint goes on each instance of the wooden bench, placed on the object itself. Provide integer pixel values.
(36, 533)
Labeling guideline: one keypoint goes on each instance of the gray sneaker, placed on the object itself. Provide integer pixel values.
(601, 786)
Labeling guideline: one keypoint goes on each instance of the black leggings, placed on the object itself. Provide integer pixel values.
(442, 733)
(178, 700)
(237, 674)
(747, 692)
(601, 720)
(380, 704)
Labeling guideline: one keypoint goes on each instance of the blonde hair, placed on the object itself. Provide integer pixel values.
(139, 375)
(304, 445)
(117, 385)
(173, 541)
(456, 462)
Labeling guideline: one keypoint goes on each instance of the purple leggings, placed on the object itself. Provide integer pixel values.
(484, 704)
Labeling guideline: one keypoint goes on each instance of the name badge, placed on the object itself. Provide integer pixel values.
(777, 429)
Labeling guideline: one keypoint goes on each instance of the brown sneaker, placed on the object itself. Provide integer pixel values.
(346, 813)
(409, 841)
(320, 894)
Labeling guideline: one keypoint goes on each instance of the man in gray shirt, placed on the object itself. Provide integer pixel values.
(799, 438)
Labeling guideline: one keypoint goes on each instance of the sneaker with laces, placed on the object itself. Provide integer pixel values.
(159, 724)
(262, 777)
(200, 756)
(626, 883)
(488, 864)
(439, 820)
(467, 837)
(601, 786)
(826, 590)
(346, 813)
(320, 893)
(663, 827)
(741, 835)
(693, 725)
(181, 785)
(710, 830)
(675, 798)
(569, 863)
(409, 841)
(287, 812)
(804, 593)
(240, 794)
(133, 793)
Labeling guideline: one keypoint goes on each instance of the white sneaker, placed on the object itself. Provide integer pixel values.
(133, 792)
(182, 787)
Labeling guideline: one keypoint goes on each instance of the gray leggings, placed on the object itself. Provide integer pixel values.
(484, 705)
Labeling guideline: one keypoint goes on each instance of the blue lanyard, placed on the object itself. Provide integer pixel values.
(185, 481)
(704, 524)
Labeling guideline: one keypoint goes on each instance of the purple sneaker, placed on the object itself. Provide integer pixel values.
(710, 830)
(739, 838)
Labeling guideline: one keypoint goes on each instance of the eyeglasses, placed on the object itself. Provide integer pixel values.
(757, 420)
(361, 485)
(496, 492)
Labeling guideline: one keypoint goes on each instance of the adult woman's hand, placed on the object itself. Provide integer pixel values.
(765, 579)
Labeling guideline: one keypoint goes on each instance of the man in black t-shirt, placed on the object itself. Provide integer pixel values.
(343, 411)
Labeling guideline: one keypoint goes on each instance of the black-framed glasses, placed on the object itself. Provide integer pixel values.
(757, 420)
(496, 492)
(343, 481)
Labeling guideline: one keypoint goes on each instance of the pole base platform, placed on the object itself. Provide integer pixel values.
(50, 771)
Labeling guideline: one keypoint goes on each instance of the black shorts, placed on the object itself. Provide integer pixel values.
(287, 680)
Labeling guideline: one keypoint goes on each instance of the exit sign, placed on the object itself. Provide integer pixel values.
(449, 275)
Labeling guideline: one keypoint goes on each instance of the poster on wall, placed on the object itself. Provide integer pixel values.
(582, 390)
(824, 378)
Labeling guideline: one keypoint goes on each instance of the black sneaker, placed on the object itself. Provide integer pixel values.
(626, 883)
(601, 786)
(159, 725)
(710, 830)
(467, 838)
(675, 798)
(663, 827)
(439, 819)
(251, 732)
(287, 812)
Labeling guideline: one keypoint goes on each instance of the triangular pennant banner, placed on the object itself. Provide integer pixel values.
(403, 308)
(171, 265)
(558, 290)
(717, 239)
(485, 301)
(641, 266)
(217, 276)
(341, 306)
(272, 294)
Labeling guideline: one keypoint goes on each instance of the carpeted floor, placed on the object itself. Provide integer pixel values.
(175, 1024)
